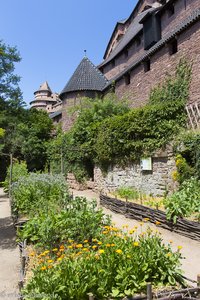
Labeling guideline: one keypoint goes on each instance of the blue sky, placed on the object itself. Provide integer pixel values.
(51, 36)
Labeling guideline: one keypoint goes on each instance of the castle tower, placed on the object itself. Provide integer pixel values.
(44, 98)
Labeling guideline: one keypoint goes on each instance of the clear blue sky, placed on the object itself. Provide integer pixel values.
(51, 36)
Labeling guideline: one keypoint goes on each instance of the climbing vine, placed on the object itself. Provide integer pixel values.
(107, 132)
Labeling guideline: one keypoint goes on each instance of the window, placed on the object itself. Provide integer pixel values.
(127, 78)
(113, 63)
(126, 53)
(170, 10)
(138, 41)
(173, 47)
(147, 65)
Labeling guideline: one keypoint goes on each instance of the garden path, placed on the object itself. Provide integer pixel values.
(9, 252)
(190, 250)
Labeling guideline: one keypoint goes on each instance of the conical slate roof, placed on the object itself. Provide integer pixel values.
(86, 77)
(45, 87)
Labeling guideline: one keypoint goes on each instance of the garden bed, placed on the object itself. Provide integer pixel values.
(136, 211)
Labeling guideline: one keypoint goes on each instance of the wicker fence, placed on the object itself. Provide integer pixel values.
(138, 212)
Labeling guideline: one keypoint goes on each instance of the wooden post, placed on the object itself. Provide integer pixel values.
(91, 296)
(11, 171)
(198, 282)
(149, 291)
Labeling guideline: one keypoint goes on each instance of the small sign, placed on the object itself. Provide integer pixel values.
(146, 164)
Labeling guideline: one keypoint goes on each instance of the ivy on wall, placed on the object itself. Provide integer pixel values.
(107, 132)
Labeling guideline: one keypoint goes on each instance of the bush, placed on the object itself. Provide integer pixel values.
(19, 169)
(39, 192)
(185, 202)
(113, 265)
(79, 220)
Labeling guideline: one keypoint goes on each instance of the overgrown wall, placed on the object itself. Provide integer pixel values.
(155, 182)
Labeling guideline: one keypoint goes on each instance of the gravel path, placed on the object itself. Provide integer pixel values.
(9, 252)
(190, 250)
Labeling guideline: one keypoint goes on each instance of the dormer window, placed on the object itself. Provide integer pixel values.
(147, 65)
(138, 41)
(170, 10)
(113, 63)
(126, 53)
(151, 30)
(173, 47)
(127, 78)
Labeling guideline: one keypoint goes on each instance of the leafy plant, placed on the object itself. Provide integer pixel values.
(185, 202)
(19, 169)
(116, 264)
(79, 220)
(39, 192)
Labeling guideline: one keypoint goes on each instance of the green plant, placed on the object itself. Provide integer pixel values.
(39, 192)
(128, 193)
(116, 264)
(19, 170)
(79, 220)
(185, 202)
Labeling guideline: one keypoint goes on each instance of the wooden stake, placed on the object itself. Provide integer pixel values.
(149, 291)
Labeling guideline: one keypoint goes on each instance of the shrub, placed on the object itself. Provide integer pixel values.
(39, 192)
(113, 265)
(79, 220)
(19, 169)
(185, 202)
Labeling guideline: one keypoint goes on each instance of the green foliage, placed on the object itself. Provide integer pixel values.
(80, 220)
(77, 145)
(138, 133)
(184, 171)
(174, 88)
(187, 144)
(19, 170)
(185, 202)
(128, 193)
(112, 266)
(39, 192)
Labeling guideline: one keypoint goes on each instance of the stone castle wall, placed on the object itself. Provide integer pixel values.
(156, 182)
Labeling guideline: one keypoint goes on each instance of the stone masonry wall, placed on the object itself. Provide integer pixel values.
(155, 182)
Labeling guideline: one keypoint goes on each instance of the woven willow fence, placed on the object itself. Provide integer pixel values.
(136, 211)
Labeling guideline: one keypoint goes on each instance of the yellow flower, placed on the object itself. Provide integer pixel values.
(131, 231)
(135, 244)
(101, 251)
(146, 219)
(114, 229)
(50, 261)
(107, 227)
(136, 227)
(62, 247)
(168, 254)
(108, 245)
(59, 259)
(119, 251)
(112, 245)
(105, 232)
(32, 254)
(171, 241)
(94, 247)
(79, 246)
(85, 249)
(55, 250)
(50, 267)
(69, 247)
(157, 223)
(43, 268)
(99, 243)
(141, 223)
(180, 247)
(125, 226)
(94, 240)
(86, 241)
(70, 241)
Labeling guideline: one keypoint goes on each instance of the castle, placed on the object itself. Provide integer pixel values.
(143, 49)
